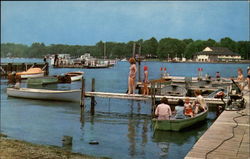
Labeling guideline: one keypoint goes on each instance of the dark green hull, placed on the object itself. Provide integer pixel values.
(42, 80)
(178, 124)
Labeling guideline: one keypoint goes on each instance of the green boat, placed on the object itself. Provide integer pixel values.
(178, 124)
(42, 80)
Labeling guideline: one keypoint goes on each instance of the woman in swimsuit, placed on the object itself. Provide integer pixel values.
(132, 76)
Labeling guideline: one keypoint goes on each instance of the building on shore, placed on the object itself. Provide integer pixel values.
(216, 54)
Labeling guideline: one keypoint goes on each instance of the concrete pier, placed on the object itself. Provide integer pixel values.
(238, 147)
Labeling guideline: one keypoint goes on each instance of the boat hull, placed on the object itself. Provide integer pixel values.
(178, 124)
(32, 75)
(42, 94)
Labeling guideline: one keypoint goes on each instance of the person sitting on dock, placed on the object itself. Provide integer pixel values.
(179, 110)
(199, 104)
(163, 110)
(188, 108)
(132, 76)
(145, 81)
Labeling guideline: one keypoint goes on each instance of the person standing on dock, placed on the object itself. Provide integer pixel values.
(132, 76)
(145, 81)
(163, 110)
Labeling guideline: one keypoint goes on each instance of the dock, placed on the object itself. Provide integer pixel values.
(146, 97)
(231, 138)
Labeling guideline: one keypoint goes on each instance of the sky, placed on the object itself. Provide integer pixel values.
(86, 22)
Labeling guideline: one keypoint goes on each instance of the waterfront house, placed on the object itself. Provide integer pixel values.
(216, 54)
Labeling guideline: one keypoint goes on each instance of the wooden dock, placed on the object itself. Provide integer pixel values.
(238, 147)
(146, 97)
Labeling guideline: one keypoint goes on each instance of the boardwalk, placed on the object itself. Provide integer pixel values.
(237, 147)
(146, 97)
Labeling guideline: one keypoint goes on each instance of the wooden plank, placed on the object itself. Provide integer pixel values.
(146, 97)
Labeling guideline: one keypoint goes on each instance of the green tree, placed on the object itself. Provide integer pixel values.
(229, 43)
(170, 47)
(150, 46)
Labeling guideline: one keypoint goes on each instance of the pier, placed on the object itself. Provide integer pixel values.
(228, 137)
(147, 97)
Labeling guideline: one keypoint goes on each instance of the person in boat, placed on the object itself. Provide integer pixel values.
(188, 108)
(132, 76)
(163, 110)
(145, 81)
(199, 103)
(179, 110)
(217, 76)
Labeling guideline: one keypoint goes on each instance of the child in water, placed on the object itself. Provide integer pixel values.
(188, 108)
(145, 81)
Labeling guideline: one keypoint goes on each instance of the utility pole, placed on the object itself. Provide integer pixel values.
(134, 49)
(104, 50)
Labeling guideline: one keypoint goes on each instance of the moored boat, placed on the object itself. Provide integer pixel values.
(31, 73)
(43, 94)
(178, 124)
(75, 76)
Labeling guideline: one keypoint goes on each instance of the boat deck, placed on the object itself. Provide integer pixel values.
(222, 129)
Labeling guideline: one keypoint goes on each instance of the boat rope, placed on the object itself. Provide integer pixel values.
(240, 115)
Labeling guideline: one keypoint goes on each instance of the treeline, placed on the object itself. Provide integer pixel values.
(166, 47)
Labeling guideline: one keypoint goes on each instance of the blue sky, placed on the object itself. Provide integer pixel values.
(86, 22)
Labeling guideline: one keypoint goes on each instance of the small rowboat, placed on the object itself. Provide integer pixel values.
(31, 73)
(43, 94)
(178, 124)
(75, 76)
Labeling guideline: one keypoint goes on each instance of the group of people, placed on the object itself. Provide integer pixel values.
(183, 109)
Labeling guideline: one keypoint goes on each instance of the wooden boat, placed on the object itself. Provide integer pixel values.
(43, 94)
(178, 124)
(31, 73)
(174, 90)
(75, 76)
(42, 80)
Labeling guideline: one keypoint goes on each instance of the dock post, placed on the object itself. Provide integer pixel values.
(9, 67)
(92, 109)
(139, 70)
(152, 97)
(82, 104)
(47, 69)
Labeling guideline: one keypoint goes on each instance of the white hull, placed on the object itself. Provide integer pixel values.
(33, 75)
(76, 78)
(42, 94)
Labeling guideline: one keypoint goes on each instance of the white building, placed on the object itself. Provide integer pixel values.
(216, 54)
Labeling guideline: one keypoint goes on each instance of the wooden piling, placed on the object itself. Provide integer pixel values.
(82, 101)
(92, 109)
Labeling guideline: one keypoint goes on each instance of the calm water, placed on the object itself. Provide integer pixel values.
(122, 127)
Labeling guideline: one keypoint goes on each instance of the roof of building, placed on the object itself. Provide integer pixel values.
(217, 51)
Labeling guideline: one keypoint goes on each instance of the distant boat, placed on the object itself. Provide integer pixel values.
(178, 124)
(124, 60)
(31, 73)
(43, 94)
(75, 76)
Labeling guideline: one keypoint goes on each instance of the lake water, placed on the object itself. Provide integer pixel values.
(123, 128)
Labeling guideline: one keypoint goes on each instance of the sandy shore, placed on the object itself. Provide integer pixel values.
(16, 149)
